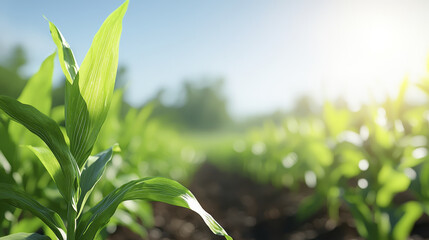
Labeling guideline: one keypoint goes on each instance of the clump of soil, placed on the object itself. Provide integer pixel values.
(248, 210)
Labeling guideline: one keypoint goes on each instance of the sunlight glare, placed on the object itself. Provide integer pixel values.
(371, 54)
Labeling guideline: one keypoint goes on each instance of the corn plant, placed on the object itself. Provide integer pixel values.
(145, 152)
(67, 156)
(12, 135)
(366, 160)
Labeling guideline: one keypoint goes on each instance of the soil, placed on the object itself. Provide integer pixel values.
(249, 210)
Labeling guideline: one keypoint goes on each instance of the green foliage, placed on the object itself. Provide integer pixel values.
(91, 174)
(20, 199)
(49, 131)
(89, 95)
(364, 160)
(67, 160)
(25, 236)
(152, 189)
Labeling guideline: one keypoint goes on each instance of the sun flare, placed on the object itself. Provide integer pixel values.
(371, 55)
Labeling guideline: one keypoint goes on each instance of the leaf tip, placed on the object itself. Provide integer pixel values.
(116, 148)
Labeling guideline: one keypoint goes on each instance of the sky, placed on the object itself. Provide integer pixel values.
(269, 52)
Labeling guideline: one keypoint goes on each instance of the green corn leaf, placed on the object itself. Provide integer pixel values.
(361, 215)
(91, 174)
(407, 215)
(336, 120)
(112, 126)
(27, 225)
(49, 131)
(310, 206)
(52, 166)
(67, 60)
(38, 93)
(17, 198)
(25, 236)
(65, 54)
(8, 147)
(38, 90)
(150, 189)
(90, 94)
(391, 182)
(138, 123)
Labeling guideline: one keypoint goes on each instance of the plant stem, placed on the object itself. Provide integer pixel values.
(71, 222)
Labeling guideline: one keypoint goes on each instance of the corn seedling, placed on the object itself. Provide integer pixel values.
(68, 161)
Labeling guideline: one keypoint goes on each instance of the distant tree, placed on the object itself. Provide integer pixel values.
(11, 82)
(304, 106)
(17, 58)
(341, 103)
(202, 106)
(205, 107)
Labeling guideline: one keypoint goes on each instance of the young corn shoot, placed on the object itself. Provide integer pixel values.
(89, 91)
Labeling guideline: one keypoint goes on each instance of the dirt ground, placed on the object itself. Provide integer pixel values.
(249, 210)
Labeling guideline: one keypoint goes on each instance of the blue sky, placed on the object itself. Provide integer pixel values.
(269, 52)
